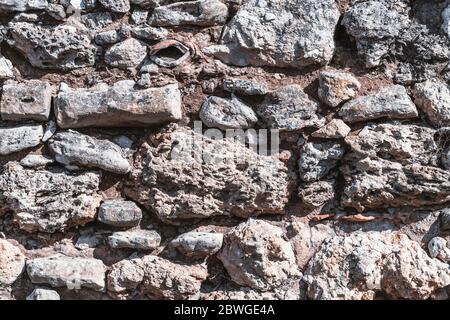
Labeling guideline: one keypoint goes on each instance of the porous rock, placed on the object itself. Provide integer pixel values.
(135, 239)
(119, 213)
(433, 98)
(336, 87)
(12, 263)
(198, 244)
(18, 138)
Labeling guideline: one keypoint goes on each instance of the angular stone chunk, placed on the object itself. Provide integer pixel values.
(22, 5)
(6, 68)
(48, 201)
(30, 100)
(317, 159)
(393, 166)
(289, 108)
(119, 105)
(337, 86)
(437, 247)
(392, 102)
(70, 272)
(43, 294)
(239, 182)
(358, 265)
(198, 244)
(317, 193)
(245, 87)
(291, 33)
(125, 275)
(198, 13)
(12, 263)
(14, 139)
(227, 113)
(335, 129)
(164, 279)
(119, 213)
(433, 97)
(75, 149)
(135, 239)
(127, 54)
(61, 47)
(120, 6)
(256, 255)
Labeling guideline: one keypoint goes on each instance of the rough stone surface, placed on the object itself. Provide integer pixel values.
(119, 213)
(392, 102)
(14, 139)
(289, 109)
(335, 129)
(75, 149)
(336, 87)
(360, 265)
(127, 54)
(246, 185)
(48, 201)
(73, 273)
(433, 98)
(293, 33)
(120, 6)
(245, 87)
(35, 161)
(135, 239)
(317, 159)
(62, 47)
(198, 244)
(44, 294)
(198, 13)
(227, 113)
(119, 105)
(12, 263)
(26, 101)
(256, 255)
(437, 247)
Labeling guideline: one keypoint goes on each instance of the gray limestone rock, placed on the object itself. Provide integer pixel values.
(119, 213)
(198, 244)
(433, 98)
(127, 54)
(135, 239)
(14, 139)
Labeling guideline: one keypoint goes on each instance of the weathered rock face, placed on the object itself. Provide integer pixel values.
(227, 113)
(119, 105)
(393, 165)
(391, 102)
(75, 149)
(61, 47)
(359, 265)
(433, 97)
(127, 54)
(335, 129)
(245, 87)
(197, 13)
(120, 6)
(22, 5)
(256, 255)
(317, 159)
(48, 201)
(26, 101)
(73, 273)
(14, 139)
(12, 263)
(43, 294)
(135, 239)
(119, 213)
(198, 244)
(336, 87)
(289, 109)
(293, 33)
(239, 182)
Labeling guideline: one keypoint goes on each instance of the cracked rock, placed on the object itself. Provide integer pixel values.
(30, 100)
(61, 47)
(12, 263)
(119, 105)
(75, 149)
(392, 102)
(197, 13)
(317, 159)
(49, 201)
(359, 265)
(198, 244)
(70, 272)
(135, 239)
(433, 98)
(227, 113)
(288, 109)
(238, 182)
(127, 54)
(14, 139)
(120, 213)
(287, 34)
(255, 255)
(336, 87)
